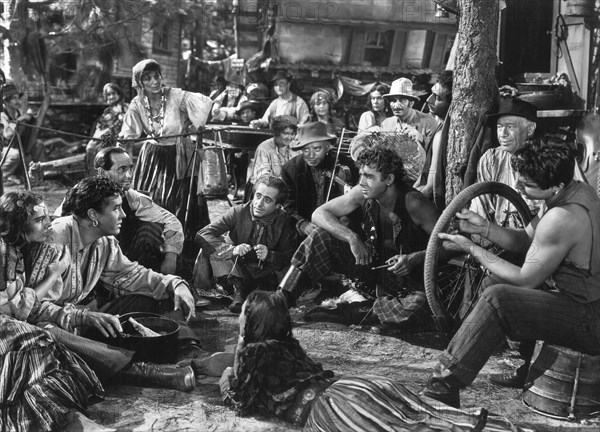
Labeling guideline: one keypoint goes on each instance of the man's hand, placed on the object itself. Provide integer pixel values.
(107, 324)
(400, 265)
(183, 296)
(241, 249)
(307, 227)
(57, 268)
(456, 242)
(361, 252)
(169, 264)
(472, 223)
(261, 251)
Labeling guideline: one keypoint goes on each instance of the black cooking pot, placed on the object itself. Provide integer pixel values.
(157, 349)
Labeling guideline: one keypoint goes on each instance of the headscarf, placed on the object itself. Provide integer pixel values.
(138, 70)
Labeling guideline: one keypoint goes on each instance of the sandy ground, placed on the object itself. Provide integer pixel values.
(407, 358)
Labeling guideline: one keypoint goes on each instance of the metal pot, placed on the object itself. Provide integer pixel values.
(158, 349)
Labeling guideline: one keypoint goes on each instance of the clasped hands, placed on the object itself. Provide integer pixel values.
(242, 249)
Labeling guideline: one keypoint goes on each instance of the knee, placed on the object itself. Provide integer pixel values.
(498, 295)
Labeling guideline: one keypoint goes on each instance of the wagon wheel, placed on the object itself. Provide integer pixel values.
(453, 284)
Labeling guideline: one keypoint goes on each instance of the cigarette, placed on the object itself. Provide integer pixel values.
(380, 267)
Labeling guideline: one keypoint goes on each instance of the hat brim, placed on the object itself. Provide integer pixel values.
(495, 116)
(404, 95)
(297, 145)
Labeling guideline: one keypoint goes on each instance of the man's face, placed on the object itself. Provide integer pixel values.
(286, 137)
(233, 90)
(512, 132)
(121, 171)
(265, 200)
(248, 115)
(531, 189)
(439, 101)
(401, 106)
(371, 182)
(282, 87)
(314, 153)
(14, 102)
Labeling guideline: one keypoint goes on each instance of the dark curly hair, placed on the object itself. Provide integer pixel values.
(446, 81)
(383, 89)
(382, 157)
(90, 193)
(547, 161)
(274, 182)
(16, 208)
(267, 317)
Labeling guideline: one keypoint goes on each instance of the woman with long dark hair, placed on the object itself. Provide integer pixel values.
(379, 108)
(272, 376)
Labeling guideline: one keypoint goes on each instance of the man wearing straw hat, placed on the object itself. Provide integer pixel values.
(287, 103)
(308, 176)
(402, 98)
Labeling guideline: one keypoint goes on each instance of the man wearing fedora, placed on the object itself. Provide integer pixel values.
(227, 103)
(11, 114)
(246, 112)
(387, 252)
(286, 103)
(308, 176)
(402, 98)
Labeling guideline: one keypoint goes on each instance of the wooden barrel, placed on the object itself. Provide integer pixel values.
(214, 173)
(579, 8)
(563, 383)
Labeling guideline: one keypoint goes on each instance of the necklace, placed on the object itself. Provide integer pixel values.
(160, 116)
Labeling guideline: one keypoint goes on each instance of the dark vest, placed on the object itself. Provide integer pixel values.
(405, 234)
(580, 284)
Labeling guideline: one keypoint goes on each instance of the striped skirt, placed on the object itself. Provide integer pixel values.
(374, 403)
(156, 174)
(41, 382)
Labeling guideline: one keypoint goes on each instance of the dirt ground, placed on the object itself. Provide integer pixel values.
(407, 358)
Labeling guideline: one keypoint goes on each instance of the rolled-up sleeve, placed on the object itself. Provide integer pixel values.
(197, 106)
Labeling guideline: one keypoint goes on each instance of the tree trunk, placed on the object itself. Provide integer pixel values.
(475, 89)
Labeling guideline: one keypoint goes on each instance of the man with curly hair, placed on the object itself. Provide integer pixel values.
(389, 250)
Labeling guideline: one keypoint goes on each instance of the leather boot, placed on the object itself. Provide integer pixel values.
(153, 375)
(237, 302)
(289, 284)
(443, 386)
(513, 379)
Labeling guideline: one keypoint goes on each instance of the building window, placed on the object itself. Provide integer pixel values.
(161, 40)
(378, 47)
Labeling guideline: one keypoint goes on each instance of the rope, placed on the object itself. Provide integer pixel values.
(208, 129)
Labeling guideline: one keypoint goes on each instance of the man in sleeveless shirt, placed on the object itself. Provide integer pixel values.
(554, 296)
(396, 224)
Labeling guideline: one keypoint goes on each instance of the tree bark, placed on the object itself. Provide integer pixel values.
(475, 89)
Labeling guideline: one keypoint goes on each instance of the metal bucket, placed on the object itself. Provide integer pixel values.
(563, 383)
(214, 172)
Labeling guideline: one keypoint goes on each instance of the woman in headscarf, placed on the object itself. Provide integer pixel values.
(108, 124)
(321, 109)
(164, 167)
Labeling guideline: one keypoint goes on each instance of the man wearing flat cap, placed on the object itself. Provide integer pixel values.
(402, 98)
(308, 175)
(287, 103)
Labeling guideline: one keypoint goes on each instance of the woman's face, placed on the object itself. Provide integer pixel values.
(233, 90)
(39, 224)
(286, 137)
(111, 96)
(321, 107)
(152, 82)
(109, 219)
(377, 101)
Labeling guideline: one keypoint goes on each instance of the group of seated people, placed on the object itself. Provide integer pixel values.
(313, 211)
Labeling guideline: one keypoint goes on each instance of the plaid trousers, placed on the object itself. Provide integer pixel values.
(524, 315)
(321, 253)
